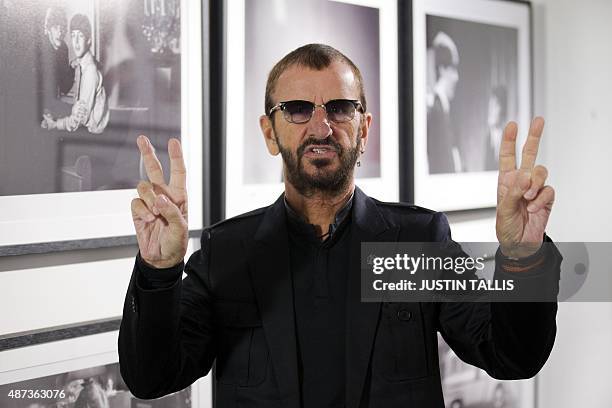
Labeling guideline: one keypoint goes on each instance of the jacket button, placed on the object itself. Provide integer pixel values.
(404, 315)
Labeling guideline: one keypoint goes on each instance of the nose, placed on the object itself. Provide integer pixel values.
(319, 124)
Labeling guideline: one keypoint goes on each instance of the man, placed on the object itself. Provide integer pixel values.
(90, 108)
(57, 74)
(442, 147)
(496, 117)
(274, 295)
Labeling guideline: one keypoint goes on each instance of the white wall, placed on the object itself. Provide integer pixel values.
(573, 84)
(47, 290)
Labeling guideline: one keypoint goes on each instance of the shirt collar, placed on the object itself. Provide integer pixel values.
(86, 59)
(297, 220)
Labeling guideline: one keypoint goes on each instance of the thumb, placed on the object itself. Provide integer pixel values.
(169, 210)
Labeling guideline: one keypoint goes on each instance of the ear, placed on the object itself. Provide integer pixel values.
(365, 129)
(269, 135)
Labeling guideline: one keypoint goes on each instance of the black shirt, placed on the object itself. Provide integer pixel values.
(319, 274)
(319, 271)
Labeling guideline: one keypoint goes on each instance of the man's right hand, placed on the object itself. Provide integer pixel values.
(160, 212)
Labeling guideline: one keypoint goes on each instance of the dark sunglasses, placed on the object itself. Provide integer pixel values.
(337, 110)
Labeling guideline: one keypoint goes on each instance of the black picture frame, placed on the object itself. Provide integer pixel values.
(408, 104)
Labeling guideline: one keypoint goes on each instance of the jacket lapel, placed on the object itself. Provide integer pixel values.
(362, 318)
(271, 279)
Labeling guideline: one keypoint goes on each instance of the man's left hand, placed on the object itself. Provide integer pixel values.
(524, 202)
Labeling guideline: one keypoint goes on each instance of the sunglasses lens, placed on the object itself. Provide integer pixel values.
(340, 110)
(298, 111)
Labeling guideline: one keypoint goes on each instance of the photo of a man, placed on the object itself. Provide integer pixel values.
(57, 74)
(89, 387)
(442, 147)
(472, 91)
(497, 116)
(80, 79)
(90, 107)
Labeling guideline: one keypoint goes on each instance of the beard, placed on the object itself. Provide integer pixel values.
(329, 182)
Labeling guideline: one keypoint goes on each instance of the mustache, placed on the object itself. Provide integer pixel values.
(328, 141)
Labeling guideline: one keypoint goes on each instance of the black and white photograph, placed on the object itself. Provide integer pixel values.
(466, 386)
(81, 80)
(81, 372)
(100, 387)
(472, 91)
(471, 76)
(271, 30)
(100, 73)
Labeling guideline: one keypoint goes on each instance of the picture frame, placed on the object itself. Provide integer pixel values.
(73, 211)
(58, 371)
(453, 109)
(252, 177)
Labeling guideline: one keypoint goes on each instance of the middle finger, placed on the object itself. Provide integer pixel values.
(178, 173)
(530, 149)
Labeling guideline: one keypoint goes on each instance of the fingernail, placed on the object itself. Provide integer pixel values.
(530, 194)
(150, 218)
(155, 210)
(531, 207)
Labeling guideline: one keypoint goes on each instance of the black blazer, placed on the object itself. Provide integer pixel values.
(236, 306)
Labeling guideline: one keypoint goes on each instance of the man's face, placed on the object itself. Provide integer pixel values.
(80, 43)
(450, 76)
(494, 117)
(319, 155)
(55, 36)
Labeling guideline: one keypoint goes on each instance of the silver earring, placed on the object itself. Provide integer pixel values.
(359, 161)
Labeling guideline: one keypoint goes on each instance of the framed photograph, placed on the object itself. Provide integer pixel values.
(81, 372)
(80, 80)
(466, 72)
(260, 33)
(464, 385)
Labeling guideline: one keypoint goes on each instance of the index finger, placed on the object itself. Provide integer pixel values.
(178, 173)
(507, 150)
(152, 164)
(530, 149)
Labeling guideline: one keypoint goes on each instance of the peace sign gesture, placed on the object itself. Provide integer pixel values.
(524, 202)
(160, 212)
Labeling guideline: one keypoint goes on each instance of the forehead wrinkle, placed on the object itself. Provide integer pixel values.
(334, 82)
